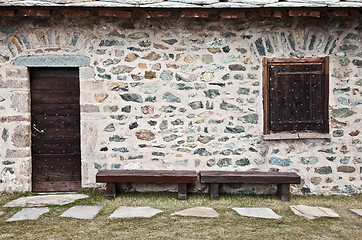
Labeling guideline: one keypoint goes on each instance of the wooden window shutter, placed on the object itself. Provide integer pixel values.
(297, 97)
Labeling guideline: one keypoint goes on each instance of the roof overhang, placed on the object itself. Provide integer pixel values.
(185, 4)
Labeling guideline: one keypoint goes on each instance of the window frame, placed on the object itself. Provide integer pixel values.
(266, 90)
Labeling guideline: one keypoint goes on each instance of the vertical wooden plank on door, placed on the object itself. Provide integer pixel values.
(325, 94)
(266, 97)
(316, 93)
(55, 129)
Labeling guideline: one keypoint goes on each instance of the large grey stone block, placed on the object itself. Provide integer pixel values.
(357, 211)
(131, 212)
(28, 214)
(21, 136)
(17, 153)
(313, 212)
(86, 73)
(257, 212)
(197, 212)
(82, 212)
(16, 72)
(52, 61)
(20, 101)
(36, 201)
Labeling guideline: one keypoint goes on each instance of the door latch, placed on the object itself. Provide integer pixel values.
(38, 130)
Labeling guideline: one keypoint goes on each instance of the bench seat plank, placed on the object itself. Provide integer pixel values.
(146, 176)
(282, 179)
(181, 177)
(249, 177)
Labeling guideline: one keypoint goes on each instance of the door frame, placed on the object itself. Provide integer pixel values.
(22, 64)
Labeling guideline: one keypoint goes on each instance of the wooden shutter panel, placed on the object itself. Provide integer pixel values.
(296, 98)
(278, 99)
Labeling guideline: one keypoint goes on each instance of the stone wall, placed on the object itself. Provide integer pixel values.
(186, 93)
(15, 133)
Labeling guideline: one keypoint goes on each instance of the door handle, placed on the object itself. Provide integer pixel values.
(38, 130)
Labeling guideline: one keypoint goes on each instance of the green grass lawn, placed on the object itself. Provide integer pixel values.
(229, 225)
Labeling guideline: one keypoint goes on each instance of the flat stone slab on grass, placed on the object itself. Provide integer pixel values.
(45, 200)
(28, 214)
(257, 212)
(197, 212)
(131, 212)
(313, 212)
(356, 211)
(1, 213)
(82, 212)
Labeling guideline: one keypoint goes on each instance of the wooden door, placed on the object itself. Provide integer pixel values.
(55, 115)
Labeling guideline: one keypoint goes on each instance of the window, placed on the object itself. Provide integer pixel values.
(295, 93)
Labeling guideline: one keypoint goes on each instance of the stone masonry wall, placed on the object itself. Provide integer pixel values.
(186, 93)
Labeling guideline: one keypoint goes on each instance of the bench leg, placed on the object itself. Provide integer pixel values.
(283, 192)
(110, 191)
(214, 191)
(182, 191)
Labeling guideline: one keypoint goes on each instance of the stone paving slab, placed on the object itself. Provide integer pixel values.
(28, 214)
(257, 212)
(45, 200)
(82, 212)
(131, 212)
(313, 212)
(197, 212)
(1, 213)
(357, 211)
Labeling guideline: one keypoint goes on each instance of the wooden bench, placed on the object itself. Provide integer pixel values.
(282, 179)
(181, 177)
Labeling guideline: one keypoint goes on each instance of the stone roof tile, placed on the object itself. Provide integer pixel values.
(186, 3)
(169, 4)
(99, 4)
(294, 5)
(133, 2)
(231, 5)
(256, 2)
(196, 2)
(346, 4)
(314, 1)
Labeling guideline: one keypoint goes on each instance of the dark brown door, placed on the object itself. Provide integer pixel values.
(55, 115)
